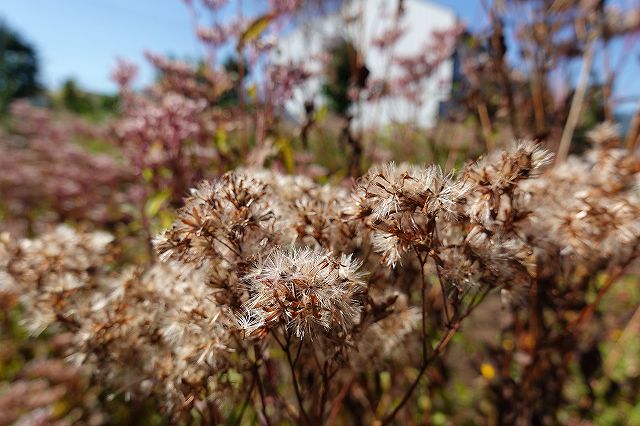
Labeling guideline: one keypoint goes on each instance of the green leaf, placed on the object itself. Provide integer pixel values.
(286, 152)
(252, 91)
(253, 31)
(438, 419)
(221, 141)
(321, 113)
(147, 174)
(385, 381)
(155, 202)
(166, 219)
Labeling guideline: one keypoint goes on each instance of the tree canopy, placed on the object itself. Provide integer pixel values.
(18, 67)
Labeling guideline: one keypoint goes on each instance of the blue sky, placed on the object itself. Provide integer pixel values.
(82, 38)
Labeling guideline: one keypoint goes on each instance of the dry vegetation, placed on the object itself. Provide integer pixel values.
(306, 279)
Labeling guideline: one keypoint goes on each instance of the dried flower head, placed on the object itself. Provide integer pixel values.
(390, 190)
(403, 206)
(605, 134)
(386, 338)
(310, 292)
(503, 169)
(229, 218)
(496, 178)
(45, 270)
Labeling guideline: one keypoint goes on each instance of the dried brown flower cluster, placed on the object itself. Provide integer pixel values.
(272, 287)
(311, 291)
(156, 333)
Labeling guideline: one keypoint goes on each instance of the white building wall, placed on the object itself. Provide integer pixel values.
(362, 21)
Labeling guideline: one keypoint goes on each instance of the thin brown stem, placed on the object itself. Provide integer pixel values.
(294, 378)
(445, 302)
(588, 311)
(442, 345)
(423, 290)
(298, 352)
(326, 381)
(485, 125)
(500, 51)
(247, 397)
(633, 134)
(576, 102)
(256, 372)
(337, 403)
(444, 341)
(631, 329)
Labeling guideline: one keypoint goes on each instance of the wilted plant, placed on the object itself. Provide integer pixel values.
(273, 287)
(277, 299)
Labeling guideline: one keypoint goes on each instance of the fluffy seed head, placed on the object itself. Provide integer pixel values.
(310, 291)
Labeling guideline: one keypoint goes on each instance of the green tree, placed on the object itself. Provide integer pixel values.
(74, 99)
(346, 71)
(18, 67)
(231, 65)
(340, 74)
(94, 106)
